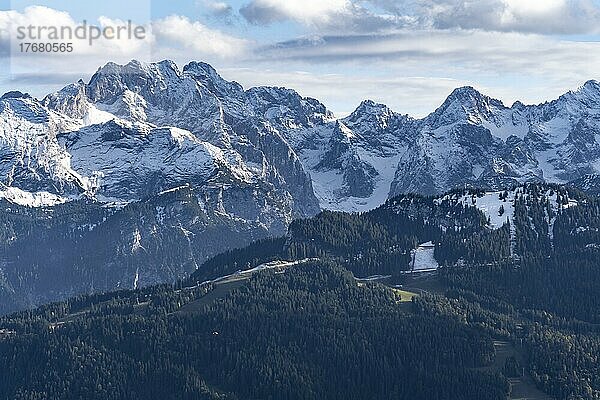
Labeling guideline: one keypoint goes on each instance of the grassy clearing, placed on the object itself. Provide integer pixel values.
(220, 291)
(522, 388)
(405, 296)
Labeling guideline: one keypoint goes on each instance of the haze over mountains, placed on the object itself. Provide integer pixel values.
(147, 170)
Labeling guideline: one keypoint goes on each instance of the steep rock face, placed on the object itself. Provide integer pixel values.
(120, 138)
(31, 158)
(352, 160)
(135, 162)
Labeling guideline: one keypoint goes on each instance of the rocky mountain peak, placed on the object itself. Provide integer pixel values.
(15, 94)
(287, 108)
(202, 69)
(275, 135)
(373, 121)
(70, 100)
(24, 107)
(518, 105)
(593, 86)
(208, 76)
(465, 104)
(369, 108)
(472, 99)
(146, 79)
(588, 94)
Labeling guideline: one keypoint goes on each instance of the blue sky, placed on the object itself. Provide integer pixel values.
(407, 54)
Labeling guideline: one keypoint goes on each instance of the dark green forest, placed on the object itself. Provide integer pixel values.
(310, 333)
(310, 330)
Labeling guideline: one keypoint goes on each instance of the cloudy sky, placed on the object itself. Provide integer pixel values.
(407, 54)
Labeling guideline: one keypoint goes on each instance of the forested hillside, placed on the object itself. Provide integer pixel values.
(309, 333)
(520, 266)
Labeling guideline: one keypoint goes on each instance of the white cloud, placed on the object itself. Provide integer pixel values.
(412, 65)
(197, 37)
(44, 20)
(308, 12)
(533, 16)
(321, 17)
(171, 37)
(534, 7)
(342, 93)
(513, 66)
(174, 31)
(470, 51)
(46, 23)
(218, 8)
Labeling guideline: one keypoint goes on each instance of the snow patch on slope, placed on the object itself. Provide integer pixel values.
(497, 210)
(96, 116)
(27, 199)
(424, 259)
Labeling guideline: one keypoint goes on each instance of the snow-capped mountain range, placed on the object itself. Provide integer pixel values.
(139, 129)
